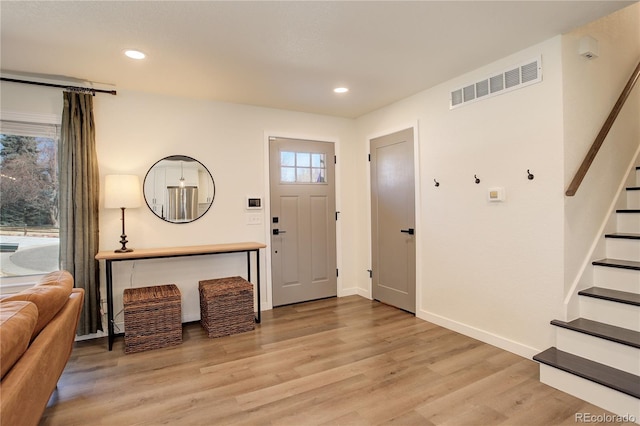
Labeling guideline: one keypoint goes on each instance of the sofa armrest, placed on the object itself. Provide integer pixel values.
(27, 387)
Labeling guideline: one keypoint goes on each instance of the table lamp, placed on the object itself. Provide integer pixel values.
(122, 192)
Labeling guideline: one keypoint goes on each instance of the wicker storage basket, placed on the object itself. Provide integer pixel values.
(152, 318)
(226, 306)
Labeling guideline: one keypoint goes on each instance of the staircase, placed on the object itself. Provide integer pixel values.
(597, 356)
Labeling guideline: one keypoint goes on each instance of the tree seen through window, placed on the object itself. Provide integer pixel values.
(28, 204)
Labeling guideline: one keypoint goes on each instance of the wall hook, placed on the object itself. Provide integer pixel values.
(436, 183)
(477, 180)
(529, 175)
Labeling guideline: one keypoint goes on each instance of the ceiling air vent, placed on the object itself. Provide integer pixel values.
(516, 77)
(482, 88)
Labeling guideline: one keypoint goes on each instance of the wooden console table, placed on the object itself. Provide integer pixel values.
(157, 253)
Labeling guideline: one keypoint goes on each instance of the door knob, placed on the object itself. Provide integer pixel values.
(278, 232)
(409, 231)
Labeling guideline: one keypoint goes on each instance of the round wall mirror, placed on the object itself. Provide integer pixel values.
(179, 189)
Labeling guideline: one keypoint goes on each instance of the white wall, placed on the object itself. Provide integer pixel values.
(493, 271)
(591, 88)
(27, 99)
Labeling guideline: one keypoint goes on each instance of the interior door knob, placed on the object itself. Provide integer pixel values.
(409, 231)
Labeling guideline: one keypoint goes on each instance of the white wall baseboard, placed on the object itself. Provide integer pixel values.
(482, 335)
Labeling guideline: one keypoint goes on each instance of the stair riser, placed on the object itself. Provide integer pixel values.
(628, 223)
(613, 354)
(617, 279)
(618, 248)
(602, 396)
(633, 199)
(605, 311)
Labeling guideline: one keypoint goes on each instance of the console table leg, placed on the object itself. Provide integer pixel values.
(258, 319)
(109, 303)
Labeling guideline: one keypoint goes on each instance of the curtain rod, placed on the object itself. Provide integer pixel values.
(61, 86)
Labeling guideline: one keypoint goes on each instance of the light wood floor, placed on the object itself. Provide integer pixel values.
(341, 361)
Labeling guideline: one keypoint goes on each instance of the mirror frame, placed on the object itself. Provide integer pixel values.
(148, 198)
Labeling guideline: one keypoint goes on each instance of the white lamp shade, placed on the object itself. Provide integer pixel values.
(122, 191)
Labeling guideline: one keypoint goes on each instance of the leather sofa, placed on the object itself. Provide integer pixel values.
(37, 331)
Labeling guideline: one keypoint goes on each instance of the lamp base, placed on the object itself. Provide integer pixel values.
(123, 241)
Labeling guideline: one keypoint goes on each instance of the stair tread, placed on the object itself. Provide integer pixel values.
(604, 331)
(599, 373)
(617, 263)
(629, 236)
(612, 295)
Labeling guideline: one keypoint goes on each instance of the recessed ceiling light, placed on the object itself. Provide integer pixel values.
(341, 90)
(134, 54)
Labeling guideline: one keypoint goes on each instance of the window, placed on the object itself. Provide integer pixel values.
(302, 167)
(29, 229)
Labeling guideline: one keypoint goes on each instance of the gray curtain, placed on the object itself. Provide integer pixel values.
(79, 195)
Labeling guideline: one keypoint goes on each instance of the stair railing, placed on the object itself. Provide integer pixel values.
(597, 143)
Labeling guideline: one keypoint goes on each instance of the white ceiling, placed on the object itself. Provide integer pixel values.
(287, 55)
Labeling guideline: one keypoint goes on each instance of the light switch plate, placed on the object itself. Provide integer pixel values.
(495, 194)
(254, 219)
